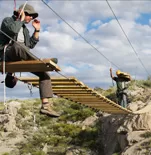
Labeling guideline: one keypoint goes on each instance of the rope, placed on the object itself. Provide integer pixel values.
(30, 86)
(127, 38)
(22, 9)
(34, 118)
(14, 4)
(3, 71)
(78, 33)
(63, 75)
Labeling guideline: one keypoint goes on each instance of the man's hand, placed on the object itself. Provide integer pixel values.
(111, 73)
(36, 24)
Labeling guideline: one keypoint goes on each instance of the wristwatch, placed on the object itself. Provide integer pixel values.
(37, 30)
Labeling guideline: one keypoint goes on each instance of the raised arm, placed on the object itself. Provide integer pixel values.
(111, 74)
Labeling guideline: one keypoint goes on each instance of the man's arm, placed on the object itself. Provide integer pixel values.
(36, 25)
(111, 74)
(35, 37)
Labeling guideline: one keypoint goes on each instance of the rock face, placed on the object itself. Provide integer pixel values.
(10, 135)
(123, 133)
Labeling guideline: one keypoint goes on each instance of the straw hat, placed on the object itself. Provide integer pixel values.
(118, 72)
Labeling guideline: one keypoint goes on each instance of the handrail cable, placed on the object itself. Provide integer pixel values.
(78, 33)
(127, 38)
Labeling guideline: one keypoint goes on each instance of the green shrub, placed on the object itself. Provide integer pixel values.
(57, 133)
(146, 135)
(147, 83)
(5, 153)
(12, 135)
(76, 112)
(86, 138)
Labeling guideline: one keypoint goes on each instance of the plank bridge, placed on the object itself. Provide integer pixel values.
(74, 90)
(67, 88)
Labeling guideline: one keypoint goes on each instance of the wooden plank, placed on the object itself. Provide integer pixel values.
(85, 97)
(76, 91)
(61, 84)
(83, 100)
(53, 79)
(75, 95)
(91, 102)
(71, 90)
(82, 97)
(99, 104)
(104, 108)
(109, 109)
(67, 87)
(55, 83)
(95, 103)
(30, 66)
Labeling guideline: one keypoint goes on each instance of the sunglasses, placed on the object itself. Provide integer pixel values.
(27, 14)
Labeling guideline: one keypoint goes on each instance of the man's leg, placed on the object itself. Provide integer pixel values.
(117, 98)
(125, 100)
(120, 98)
(45, 90)
(17, 53)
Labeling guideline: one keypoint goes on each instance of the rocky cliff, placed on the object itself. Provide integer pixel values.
(79, 131)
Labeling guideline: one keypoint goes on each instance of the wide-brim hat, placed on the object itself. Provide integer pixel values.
(118, 72)
(30, 10)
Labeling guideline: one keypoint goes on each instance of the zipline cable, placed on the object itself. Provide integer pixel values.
(79, 34)
(127, 38)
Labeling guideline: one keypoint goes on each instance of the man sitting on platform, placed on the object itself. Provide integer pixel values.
(15, 28)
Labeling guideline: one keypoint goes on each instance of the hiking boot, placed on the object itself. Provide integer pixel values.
(47, 109)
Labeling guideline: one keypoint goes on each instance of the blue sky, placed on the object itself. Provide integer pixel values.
(96, 23)
(144, 19)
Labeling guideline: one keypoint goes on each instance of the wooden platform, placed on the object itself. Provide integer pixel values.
(30, 66)
(74, 90)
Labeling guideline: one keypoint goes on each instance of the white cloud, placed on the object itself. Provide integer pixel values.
(78, 58)
(69, 70)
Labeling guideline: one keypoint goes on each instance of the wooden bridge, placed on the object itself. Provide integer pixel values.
(68, 88)
(74, 90)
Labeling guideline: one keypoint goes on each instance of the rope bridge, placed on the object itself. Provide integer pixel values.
(74, 90)
(67, 88)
